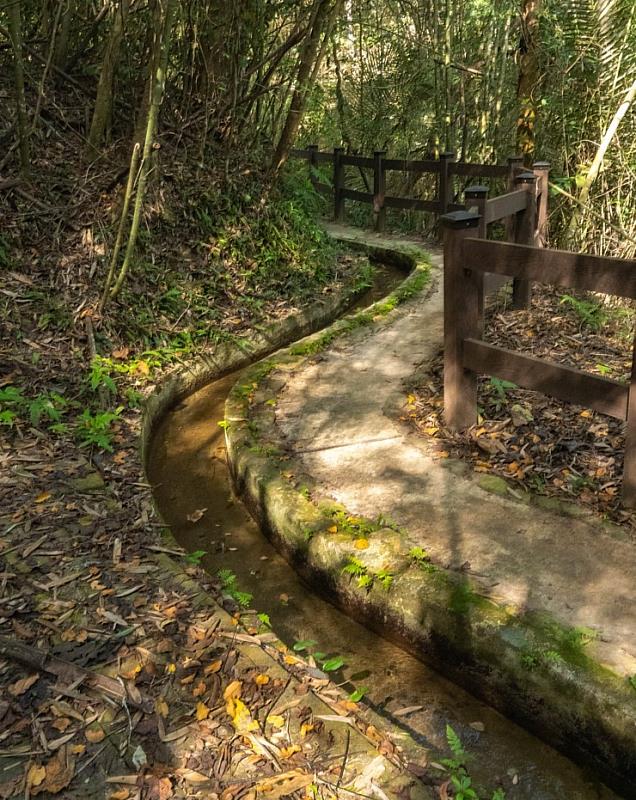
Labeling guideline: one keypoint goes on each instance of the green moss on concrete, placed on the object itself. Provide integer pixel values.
(493, 484)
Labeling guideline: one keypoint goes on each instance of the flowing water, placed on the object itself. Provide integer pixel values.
(188, 472)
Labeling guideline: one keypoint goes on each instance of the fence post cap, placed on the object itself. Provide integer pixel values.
(475, 191)
(447, 154)
(526, 177)
(541, 165)
(515, 159)
(379, 152)
(457, 220)
(338, 149)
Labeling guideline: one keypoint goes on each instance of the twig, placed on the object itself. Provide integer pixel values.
(66, 670)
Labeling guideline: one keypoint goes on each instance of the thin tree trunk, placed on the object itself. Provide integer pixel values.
(597, 163)
(104, 97)
(309, 63)
(162, 49)
(528, 78)
(14, 12)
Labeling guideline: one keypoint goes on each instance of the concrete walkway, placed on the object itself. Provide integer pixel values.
(340, 415)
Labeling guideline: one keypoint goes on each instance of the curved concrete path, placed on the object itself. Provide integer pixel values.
(340, 415)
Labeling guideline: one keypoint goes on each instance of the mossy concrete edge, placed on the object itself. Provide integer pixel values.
(528, 665)
(261, 341)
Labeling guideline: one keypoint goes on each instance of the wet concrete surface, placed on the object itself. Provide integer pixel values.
(188, 472)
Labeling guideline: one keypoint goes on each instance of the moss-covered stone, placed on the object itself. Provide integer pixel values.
(493, 484)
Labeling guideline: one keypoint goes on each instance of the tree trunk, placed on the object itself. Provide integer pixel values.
(14, 12)
(309, 63)
(529, 78)
(104, 97)
(160, 57)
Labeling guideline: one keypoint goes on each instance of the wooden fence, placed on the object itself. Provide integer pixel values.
(444, 168)
(466, 260)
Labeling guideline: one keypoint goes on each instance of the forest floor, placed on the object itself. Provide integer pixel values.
(119, 675)
(537, 443)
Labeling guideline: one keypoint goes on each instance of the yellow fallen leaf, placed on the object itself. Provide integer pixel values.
(35, 775)
(171, 668)
(42, 497)
(290, 660)
(232, 691)
(122, 794)
(584, 414)
(361, 544)
(242, 719)
(161, 707)
(288, 752)
(333, 529)
(77, 749)
(261, 680)
(202, 711)
(214, 666)
(276, 720)
(305, 728)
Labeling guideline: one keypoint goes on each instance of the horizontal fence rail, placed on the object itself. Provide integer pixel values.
(443, 169)
(469, 259)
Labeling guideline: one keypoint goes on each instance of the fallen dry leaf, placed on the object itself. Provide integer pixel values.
(23, 685)
(196, 515)
(35, 775)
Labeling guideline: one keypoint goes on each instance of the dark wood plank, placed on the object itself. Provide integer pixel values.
(558, 267)
(308, 154)
(478, 170)
(356, 161)
(566, 383)
(461, 320)
(405, 165)
(505, 205)
(411, 203)
(629, 466)
(353, 194)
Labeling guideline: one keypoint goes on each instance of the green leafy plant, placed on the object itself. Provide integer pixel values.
(228, 582)
(457, 766)
(264, 620)
(501, 389)
(95, 430)
(99, 376)
(591, 314)
(358, 693)
(195, 557)
(14, 405)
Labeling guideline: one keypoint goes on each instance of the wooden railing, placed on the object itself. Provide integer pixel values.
(466, 260)
(444, 168)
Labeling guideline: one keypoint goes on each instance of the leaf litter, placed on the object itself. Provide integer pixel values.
(538, 443)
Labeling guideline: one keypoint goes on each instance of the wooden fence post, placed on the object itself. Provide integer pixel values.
(445, 182)
(379, 188)
(515, 166)
(313, 149)
(461, 319)
(475, 199)
(525, 233)
(629, 464)
(338, 184)
(542, 170)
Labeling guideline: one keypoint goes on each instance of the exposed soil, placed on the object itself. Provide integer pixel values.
(541, 444)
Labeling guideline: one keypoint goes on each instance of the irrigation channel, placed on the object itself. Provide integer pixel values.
(187, 469)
